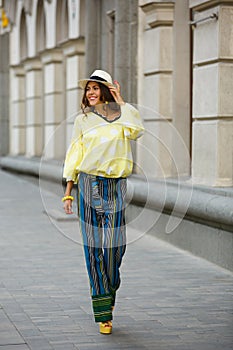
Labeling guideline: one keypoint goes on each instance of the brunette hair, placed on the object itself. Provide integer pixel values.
(106, 97)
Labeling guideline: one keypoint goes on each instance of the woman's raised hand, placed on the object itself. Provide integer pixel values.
(115, 91)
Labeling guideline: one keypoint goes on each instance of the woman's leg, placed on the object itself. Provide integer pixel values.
(114, 231)
(102, 225)
(92, 234)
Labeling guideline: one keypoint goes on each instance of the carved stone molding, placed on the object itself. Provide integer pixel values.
(201, 5)
(73, 47)
(32, 64)
(159, 13)
(51, 56)
(18, 70)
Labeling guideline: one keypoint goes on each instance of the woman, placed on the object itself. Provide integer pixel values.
(99, 159)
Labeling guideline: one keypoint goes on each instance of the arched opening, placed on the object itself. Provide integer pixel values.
(40, 27)
(23, 36)
(61, 21)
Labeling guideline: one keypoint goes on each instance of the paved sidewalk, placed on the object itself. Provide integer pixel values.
(168, 298)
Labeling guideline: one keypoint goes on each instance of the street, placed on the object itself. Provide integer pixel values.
(168, 299)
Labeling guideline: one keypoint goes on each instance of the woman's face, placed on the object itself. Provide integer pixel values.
(93, 93)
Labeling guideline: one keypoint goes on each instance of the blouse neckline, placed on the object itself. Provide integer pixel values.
(104, 118)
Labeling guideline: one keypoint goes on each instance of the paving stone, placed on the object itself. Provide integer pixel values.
(14, 347)
(8, 333)
(168, 299)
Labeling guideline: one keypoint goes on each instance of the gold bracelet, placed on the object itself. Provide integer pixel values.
(67, 197)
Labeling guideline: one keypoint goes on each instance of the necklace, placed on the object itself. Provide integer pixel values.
(111, 118)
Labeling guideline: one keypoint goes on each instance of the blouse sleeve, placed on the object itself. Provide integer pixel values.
(133, 127)
(74, 154)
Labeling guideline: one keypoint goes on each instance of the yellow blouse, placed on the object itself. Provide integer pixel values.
(100, 147)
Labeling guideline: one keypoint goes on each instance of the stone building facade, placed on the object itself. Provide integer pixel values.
(172, 58)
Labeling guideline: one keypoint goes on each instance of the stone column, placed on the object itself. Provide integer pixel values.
(212, 149)
(133, 51)
(125, 51)
(4, 94)
(74, 61)
(34, 109)
(156, 88)
(17, 111)
(181, 87)
(54, 108)
(125, 46)
(92, 36)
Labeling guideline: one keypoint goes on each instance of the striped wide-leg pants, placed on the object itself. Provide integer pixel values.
(102, 222)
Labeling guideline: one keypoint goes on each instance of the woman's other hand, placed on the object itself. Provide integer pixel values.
(68, 206)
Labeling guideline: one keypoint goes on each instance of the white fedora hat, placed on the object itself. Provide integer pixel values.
(100, 76)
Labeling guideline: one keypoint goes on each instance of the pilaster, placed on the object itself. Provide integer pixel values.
(34, 107)
(181, 87)
(126, 47)
(157, 87)
(4, 94)
(92, 35)
(74, 65)
(17, 111)
(54, 106)
(212, 88)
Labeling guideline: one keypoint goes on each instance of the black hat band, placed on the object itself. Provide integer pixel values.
(95, 77)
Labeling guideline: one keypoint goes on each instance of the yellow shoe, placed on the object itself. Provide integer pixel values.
(106, 327)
